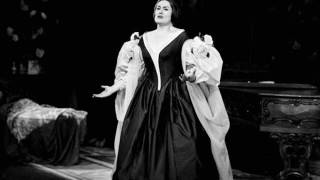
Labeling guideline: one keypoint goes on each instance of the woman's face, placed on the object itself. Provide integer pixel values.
(163, 12)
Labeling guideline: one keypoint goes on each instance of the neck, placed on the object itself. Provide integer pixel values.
(164, 27)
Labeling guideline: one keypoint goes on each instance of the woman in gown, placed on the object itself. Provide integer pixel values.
(171, 118)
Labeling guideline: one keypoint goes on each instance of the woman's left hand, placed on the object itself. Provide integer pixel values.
(189, 75)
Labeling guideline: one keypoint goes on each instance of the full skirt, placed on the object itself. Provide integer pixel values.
(162, 138)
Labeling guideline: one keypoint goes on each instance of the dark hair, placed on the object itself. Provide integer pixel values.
(175, 10)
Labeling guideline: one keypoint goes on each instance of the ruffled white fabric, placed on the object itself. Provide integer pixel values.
(207, 100)
(129, 68)
(204, 93)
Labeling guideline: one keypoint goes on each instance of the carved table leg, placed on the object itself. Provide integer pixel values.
(295, 150)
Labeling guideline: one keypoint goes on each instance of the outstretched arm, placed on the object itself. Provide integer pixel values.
(128, 56)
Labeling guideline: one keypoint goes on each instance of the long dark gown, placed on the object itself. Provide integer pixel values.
(162, 138)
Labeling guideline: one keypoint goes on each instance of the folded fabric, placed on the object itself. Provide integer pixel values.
(26, 115)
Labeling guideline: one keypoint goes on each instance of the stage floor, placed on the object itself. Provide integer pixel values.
(95, 164)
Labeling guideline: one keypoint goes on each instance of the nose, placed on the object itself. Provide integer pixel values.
(160, 11)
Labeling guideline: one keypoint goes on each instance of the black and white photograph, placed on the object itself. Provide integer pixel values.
(160, 90)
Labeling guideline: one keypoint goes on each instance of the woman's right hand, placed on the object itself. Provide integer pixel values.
(105, 93)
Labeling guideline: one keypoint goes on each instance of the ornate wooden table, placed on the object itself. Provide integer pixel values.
(290, 113)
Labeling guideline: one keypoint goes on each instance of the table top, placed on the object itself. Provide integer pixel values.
(276, 90)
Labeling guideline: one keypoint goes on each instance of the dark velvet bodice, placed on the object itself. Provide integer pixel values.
(169, 60)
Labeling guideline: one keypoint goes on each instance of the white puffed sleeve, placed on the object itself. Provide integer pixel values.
(204, 59)
(128, 70)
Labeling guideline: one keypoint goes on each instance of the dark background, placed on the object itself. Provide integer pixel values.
(258, 41)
